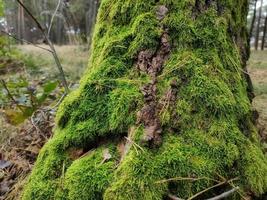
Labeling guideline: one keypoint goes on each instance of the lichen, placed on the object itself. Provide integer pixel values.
(207, 130)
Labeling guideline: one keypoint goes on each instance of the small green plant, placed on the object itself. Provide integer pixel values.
(20, 98)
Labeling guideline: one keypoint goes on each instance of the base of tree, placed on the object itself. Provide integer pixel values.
(163, 109)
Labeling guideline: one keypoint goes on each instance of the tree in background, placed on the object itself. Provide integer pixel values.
(84, 13)
(163, 110)
(258, 27)
(263, 40)
(67, 23)
(257, 34)
(254, 3)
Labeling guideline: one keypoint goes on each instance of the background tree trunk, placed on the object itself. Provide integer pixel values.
(258, 27)
(164, 108)
(264, 33)
(21, 23)
(253, 18)
(91, 16)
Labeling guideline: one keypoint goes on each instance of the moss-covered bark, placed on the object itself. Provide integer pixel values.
(167, 75)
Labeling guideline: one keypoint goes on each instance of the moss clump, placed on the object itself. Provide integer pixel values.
(92, 167)
(207, 130)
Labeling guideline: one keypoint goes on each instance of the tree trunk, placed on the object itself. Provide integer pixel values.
(164, 109)
(258, 27)
(91, 16)
(253, 19)
(264, 33)
(21, 24)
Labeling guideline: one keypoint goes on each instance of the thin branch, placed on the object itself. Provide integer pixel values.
(134, 143)
(186, 179)
(225, 194)
(22, 40)
(59, 101)
(54, 53)
(53, 16)
(214, 186)
(10, 95)
(31, 15)
(59, 15)
(238, 191)
(174, 197)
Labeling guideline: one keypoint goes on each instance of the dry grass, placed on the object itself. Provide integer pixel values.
(73, 58)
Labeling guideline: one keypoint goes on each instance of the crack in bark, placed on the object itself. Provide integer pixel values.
(152, 65)
(201, 7)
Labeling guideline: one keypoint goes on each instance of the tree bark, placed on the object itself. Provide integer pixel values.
(164, 108)
(253, 19)
(258, 27)
(21, 24)
(264, 34)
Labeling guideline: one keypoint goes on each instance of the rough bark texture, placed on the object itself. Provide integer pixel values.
(165, 96)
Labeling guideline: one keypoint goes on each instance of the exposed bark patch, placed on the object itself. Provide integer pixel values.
(161, 12)
(201, 7)
(152, 64)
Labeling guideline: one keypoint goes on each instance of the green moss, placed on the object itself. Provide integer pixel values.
(254, 169)
(207, 131)
(146, 32)
(92, 172)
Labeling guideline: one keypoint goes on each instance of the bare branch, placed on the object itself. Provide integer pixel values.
(172, 197)
(212, 187)
(59, 15)
(10, 95)
(53, 16)
(18, 39)
(186, 179)
(54, 53)
(31, 15)
(225, 194)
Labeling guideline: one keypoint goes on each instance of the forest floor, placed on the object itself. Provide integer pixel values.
(33, 70)
(20, 144)
(257, 68)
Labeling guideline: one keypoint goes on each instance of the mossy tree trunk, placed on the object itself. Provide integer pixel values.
(164, 108)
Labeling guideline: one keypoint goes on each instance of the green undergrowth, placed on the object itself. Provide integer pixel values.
(207, 132)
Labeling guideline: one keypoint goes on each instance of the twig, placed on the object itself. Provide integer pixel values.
(31, 15)
(245, 72)
(36, 127)
(174, 197)
(54, 53)
(186, 179)
(53, 16)
(225, 194)
(10, 95)
(59, 101)
(134, 143)
(207, 189)
(238, 191)
(26, 41)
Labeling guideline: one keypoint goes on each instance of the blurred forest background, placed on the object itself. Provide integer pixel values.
(32, 84)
